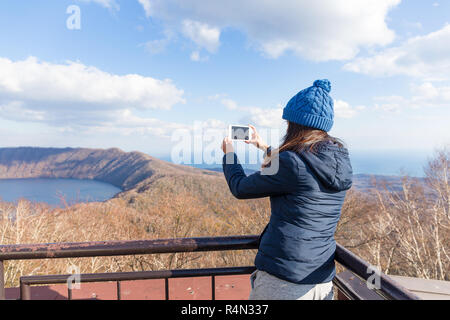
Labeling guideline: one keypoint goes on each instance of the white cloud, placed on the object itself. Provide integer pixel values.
(343, 109)
(426, 57)
(15, 110)
(77, 96)
(229, 104)
(156, 46)
(109, 4)
(423, 96)
(202, 34)
(260, 117)
(127, 123)
(36, 81)
(428, 95)
(321, 30)
(392, 104)
(147, 7)
(123, 121)
(268, 118)
(195, 56)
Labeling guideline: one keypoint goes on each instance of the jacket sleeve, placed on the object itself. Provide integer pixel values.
(261, 184)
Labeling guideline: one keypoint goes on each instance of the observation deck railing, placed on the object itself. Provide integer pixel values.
(386, 289)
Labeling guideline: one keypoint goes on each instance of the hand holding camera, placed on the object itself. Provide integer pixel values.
(256, 140)
(248, 134)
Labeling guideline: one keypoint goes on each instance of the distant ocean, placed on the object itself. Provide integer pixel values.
(390, 163)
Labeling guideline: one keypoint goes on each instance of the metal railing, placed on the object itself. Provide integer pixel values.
(388, 289)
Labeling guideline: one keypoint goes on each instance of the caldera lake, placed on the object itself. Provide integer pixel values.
(56, 192)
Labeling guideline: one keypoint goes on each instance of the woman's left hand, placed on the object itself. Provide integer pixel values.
(256, 140)
(227, 145)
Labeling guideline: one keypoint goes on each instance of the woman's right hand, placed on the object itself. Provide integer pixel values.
(256, 140)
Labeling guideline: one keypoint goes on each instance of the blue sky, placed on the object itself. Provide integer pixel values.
(138, 70)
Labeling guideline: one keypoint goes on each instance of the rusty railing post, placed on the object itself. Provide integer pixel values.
(213, 288)
(25, 291)
(2, 281)
(119, 297)
(166, 285)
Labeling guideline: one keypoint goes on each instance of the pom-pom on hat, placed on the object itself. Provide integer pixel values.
(312, 107)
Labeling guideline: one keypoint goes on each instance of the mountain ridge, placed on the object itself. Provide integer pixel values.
(125, 170)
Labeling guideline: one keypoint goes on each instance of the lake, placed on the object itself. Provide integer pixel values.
(53, 191)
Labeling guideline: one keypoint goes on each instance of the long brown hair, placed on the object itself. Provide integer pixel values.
(299, 138)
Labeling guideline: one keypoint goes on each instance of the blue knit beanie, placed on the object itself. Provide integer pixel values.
(312, 107)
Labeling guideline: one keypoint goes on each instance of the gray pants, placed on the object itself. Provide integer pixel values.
(268, 287)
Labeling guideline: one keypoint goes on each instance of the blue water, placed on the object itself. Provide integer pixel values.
(57, 192)
(390, 163)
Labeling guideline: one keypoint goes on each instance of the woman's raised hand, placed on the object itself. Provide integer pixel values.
(227, 145)
(256, 140)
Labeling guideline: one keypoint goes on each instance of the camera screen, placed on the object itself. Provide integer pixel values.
(240, 133)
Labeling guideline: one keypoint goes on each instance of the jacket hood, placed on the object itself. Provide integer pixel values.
(331, 165)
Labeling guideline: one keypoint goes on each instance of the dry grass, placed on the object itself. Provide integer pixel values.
(170, 215)
(404, 232)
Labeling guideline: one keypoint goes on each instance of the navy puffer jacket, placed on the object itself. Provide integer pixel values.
(306, 197)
